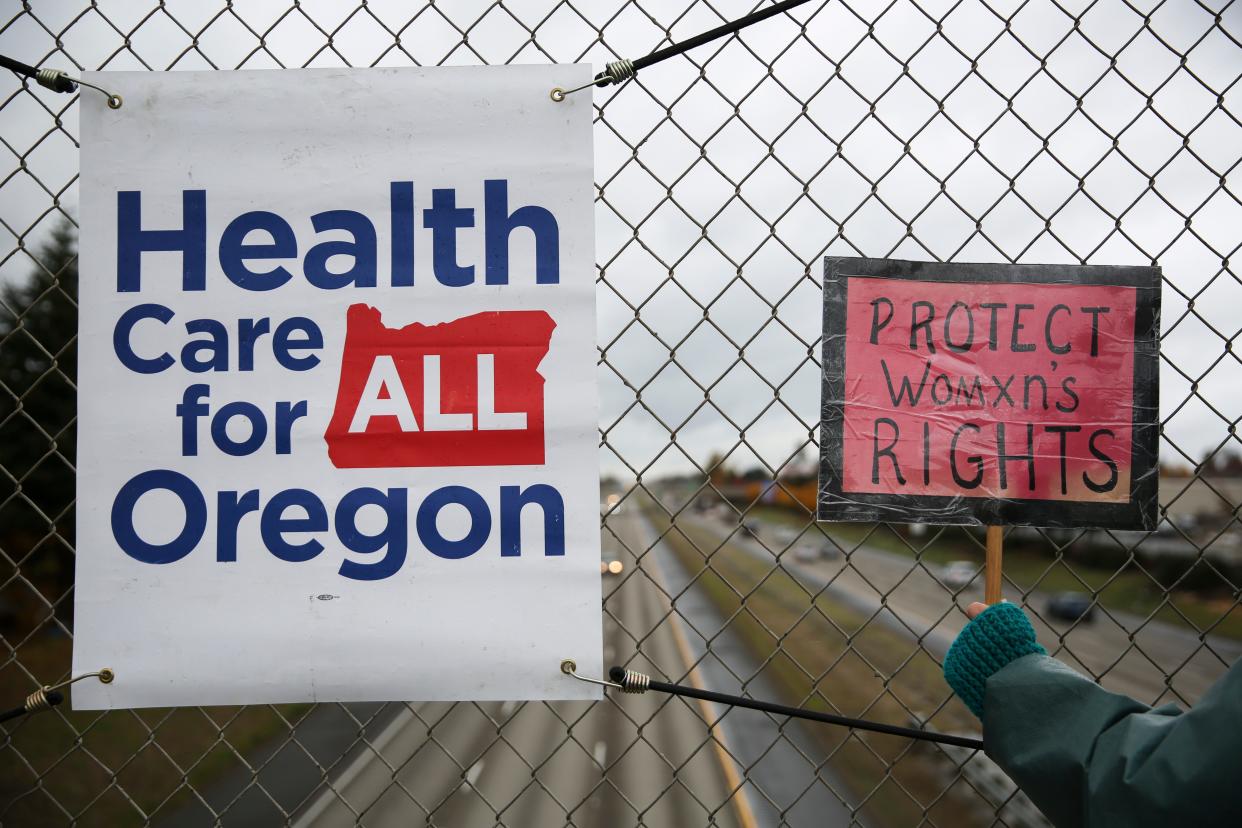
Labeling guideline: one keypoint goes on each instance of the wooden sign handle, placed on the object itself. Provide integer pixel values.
(992, 565)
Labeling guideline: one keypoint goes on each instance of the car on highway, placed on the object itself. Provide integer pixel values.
(806, 553)
(957, 574)
(1070, 606)
(785, 534)
(611, 567)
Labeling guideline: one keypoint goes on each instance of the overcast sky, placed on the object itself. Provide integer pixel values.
(838, 129)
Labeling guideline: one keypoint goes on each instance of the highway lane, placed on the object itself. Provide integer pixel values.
(1153, 662)
(647, 759)
(637, 759)
(784, 762)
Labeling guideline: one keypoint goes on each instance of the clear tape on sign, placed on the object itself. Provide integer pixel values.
(989, 394)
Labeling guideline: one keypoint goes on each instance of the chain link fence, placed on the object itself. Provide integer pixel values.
(1063, 131)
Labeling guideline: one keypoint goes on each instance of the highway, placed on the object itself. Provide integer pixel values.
(785, 766)
(647, 759)
(629, 760)
(1154, 662)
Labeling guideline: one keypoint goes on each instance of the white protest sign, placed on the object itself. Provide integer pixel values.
(337, 402)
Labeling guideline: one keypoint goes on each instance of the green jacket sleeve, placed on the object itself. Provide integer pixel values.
(1089, 757)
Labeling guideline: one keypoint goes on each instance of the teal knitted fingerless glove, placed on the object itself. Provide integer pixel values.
(997, 636)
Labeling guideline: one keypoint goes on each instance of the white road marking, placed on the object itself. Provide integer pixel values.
(330, 795)
(472, 775)
(600, 753)
(507, 709)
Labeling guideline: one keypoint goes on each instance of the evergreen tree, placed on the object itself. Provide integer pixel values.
(38, 409)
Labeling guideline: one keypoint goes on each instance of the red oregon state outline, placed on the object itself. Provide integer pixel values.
(517, 341)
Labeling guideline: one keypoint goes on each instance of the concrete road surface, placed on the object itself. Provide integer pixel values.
(648, 759)
(639, 760)
(785, 769)
(1152, 662)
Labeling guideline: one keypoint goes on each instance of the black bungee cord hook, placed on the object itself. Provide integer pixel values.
(621, 70)
(57, 80)
(630, 681)
(47, 697)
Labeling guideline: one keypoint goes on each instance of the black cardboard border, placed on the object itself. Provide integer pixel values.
(1140, 512)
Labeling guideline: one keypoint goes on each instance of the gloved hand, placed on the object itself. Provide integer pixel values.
(995, 636)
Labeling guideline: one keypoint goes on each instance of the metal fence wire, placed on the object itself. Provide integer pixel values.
(1063, 131)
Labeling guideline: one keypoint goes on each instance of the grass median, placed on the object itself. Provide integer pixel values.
(1129, 590)
(828, 657)
(125, 763)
